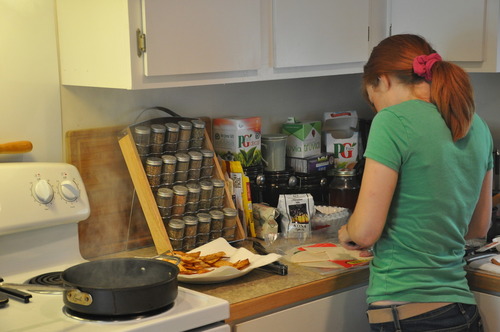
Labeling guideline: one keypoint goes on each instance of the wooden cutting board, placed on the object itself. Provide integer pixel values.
(116, 221)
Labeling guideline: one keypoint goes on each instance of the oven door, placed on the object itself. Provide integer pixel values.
(216, 327)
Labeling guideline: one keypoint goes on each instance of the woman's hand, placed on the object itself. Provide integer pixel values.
(345, 240)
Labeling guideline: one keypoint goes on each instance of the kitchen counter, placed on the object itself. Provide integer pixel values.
(262, 292)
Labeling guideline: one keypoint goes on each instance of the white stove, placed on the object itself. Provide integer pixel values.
(40, 207)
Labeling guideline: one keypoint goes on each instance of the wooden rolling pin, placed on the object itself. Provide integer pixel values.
(16, 147)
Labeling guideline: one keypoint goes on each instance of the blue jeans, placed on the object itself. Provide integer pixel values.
(455, 317)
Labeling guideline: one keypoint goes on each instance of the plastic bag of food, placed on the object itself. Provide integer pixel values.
(296, 212)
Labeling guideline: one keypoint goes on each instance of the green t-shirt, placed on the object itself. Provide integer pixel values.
(419, 257)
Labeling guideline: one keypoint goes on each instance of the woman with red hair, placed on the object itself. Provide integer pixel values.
(426, 188)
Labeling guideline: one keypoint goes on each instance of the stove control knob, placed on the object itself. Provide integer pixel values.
(43, 192)
(69, 190)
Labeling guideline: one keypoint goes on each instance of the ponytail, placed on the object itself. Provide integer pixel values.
(452, 93)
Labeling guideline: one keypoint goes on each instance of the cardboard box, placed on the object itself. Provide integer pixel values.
(319, 163)
(341, 137)
(238, 138)
(304, 139)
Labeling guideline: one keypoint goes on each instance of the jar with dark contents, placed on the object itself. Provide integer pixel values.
(195, 160)
(168, 171)
(217, 194)
(217, 220)
(182, 168)
(204, 220)
(171, 138)
(207, 188)
(197, 134)
(142, 136)
(193, 198)
(153, 171)
(179, 201)
(229, 224)
(207, 164)
(185, 129)
(164, 200)
(344, 189)
(190, 232)
(175, 231)
(157, 139)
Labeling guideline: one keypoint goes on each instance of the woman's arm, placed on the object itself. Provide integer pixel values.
(368, 219)
(481, 218)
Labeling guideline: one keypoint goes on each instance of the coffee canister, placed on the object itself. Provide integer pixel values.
(274, 152)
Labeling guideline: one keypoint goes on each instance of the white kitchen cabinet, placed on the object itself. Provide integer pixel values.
(320, 32)
(462, 31)
(340, 312)
(199, 42)
(186, 42)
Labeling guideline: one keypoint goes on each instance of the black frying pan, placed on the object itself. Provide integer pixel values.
(120, 286)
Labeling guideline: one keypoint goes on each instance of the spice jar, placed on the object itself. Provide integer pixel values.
(207, 164)
(217, 220)
(164, 199)
(195, 159)
(344, 189)
(179, 201)
(182, 168)
(217, 194)
(175, 231)
(168, 170)
(229, 217)
(204, 220)
(190, 232)
(157, 139)
(197, 134)
(185, 128)
(205, 195)
(171, 138)
(193, 198)
(142, 135)
(153, 171)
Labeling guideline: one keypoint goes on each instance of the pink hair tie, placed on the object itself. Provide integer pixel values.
(422, 65)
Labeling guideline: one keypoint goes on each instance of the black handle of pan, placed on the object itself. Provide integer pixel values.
(17, 293)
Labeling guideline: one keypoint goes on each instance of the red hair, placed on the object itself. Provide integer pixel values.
(450, 88)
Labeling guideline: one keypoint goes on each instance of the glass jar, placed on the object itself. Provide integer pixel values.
(153, 171)
(204, 220)
(195, 160)
(207, 164)
(175, 231)
(179, 201)
(229, 224)
(142, 136)
(217, 194)
(168, 171)
(190, 232)
(157, 139)
(182, 168)
(207, 188)
(172, 136)
(164, 200)
(193, 198)
(185, 128)
(197, 134)
(344, 189)
(217, 220)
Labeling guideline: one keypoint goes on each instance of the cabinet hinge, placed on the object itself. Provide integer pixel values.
(141, 42)
(368, 33)
(390, 30)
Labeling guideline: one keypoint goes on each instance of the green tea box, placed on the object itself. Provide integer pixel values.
(304, 138)
(238, 138)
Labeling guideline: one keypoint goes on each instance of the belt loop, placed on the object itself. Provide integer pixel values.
(395, 315)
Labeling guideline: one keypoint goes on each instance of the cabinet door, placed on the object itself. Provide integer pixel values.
(455, 28)
(199, 36)
(320, 32)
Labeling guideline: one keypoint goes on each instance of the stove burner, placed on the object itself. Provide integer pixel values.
(110, 318)
(48, 279)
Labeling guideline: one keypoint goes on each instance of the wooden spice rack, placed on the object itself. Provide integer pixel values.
(145, 194)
